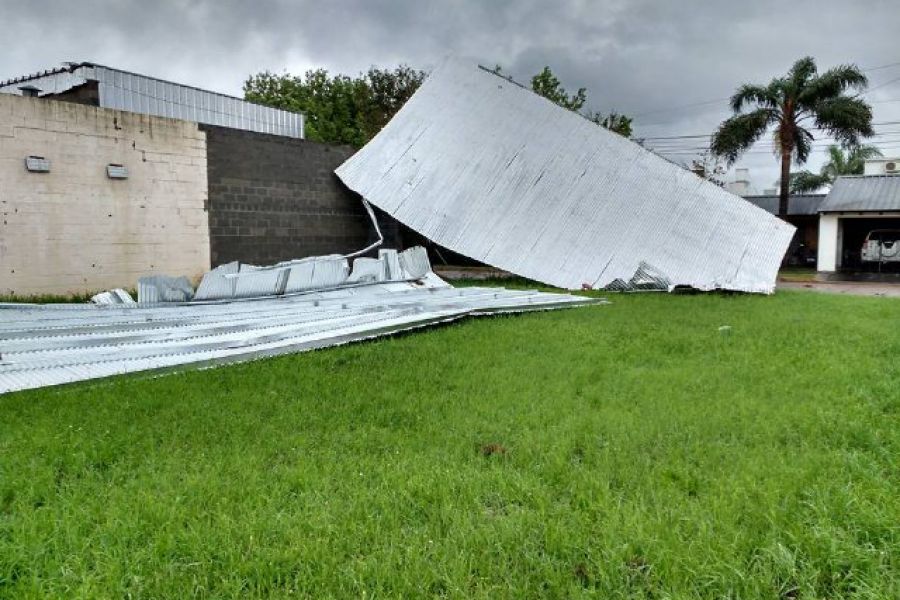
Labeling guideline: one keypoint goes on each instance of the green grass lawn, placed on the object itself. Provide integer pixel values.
(626, 451)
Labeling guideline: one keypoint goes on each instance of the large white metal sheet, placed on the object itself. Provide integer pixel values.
(54, 344)
(497, 173)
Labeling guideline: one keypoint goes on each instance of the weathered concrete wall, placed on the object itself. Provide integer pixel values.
(273, 198)
(74, 229)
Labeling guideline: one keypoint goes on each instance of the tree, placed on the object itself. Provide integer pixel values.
(791, 104)
(709, 167)
(546, 84)
(387, 91)
(613, 121)
(338, 108)
(851, 162)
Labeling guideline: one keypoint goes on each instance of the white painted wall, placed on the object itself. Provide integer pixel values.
(829, 243)
(75, 230)
(878, 166)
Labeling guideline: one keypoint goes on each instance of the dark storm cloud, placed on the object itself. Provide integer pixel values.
(642, 57)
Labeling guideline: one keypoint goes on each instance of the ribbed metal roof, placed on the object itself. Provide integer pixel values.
(499, 174)
(54, 344)
(31, 76)
(123, 90)
(798, 204)
(863, 193)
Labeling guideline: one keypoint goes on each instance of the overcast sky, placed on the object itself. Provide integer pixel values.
(670, 64)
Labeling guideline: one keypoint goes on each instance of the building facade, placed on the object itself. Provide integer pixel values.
(94, 197)
(855, 207)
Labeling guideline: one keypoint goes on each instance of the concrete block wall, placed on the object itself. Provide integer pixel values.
(273, 198)
(74, 229)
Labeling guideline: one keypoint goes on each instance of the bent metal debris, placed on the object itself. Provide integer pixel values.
(240, 313)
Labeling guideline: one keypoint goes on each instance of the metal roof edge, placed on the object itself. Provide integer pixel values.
(71, 67)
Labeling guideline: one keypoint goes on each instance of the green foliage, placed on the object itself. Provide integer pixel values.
(805, 182)
(78, 298)
(840, 162)
(709, 167)
(351, 110)
(338, 109)
(613, 121)
(625, 451)
(547, 85)
(785, 104)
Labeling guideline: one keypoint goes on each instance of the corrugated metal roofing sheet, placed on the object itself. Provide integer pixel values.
(499, 174)
(123, 90)
(863, 193)
(54, 344)
(798, 204)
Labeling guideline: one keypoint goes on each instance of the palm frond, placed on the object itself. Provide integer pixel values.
(759, 95)
(831, 84)
(739, 132)
(857, 157)
(836, 164)
(802, 71)
(864, 152)
(845, 119)
(804, 182)
(803, 140)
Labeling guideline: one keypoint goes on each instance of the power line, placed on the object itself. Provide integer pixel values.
(763, 147)
(878, 68)
(671, 108)
(686, 139)
(706, 135)
(881, 85)
(880, 138)
(708, 102)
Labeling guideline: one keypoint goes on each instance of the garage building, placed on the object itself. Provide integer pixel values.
(856, 206)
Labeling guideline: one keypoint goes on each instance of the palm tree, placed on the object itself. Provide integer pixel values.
(851, 162)
(801, 100)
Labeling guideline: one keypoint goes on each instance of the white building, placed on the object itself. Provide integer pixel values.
(855, 206)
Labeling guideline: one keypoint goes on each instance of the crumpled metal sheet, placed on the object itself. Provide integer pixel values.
(161, 288)
(238, 280)
(414, 261)
(318, 273)
(645, 279)
(116, 296)
(42, 345)
(487, 168)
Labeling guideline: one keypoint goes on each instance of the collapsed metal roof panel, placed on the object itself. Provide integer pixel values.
(863, 193)
(499, 174)
(55, 344)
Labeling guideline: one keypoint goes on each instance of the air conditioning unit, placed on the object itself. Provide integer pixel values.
(891, 167)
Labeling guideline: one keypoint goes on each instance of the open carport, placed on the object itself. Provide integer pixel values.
(856, 206)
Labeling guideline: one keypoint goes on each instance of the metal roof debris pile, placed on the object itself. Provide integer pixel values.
(43, 345)
(489, 169)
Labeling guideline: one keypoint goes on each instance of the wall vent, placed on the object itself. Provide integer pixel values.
(37, 164)
(116, 171)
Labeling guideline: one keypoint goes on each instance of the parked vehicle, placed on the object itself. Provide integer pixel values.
(881, 245)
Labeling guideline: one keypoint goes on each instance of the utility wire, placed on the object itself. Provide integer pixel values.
(708, 102)
(706, 135)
